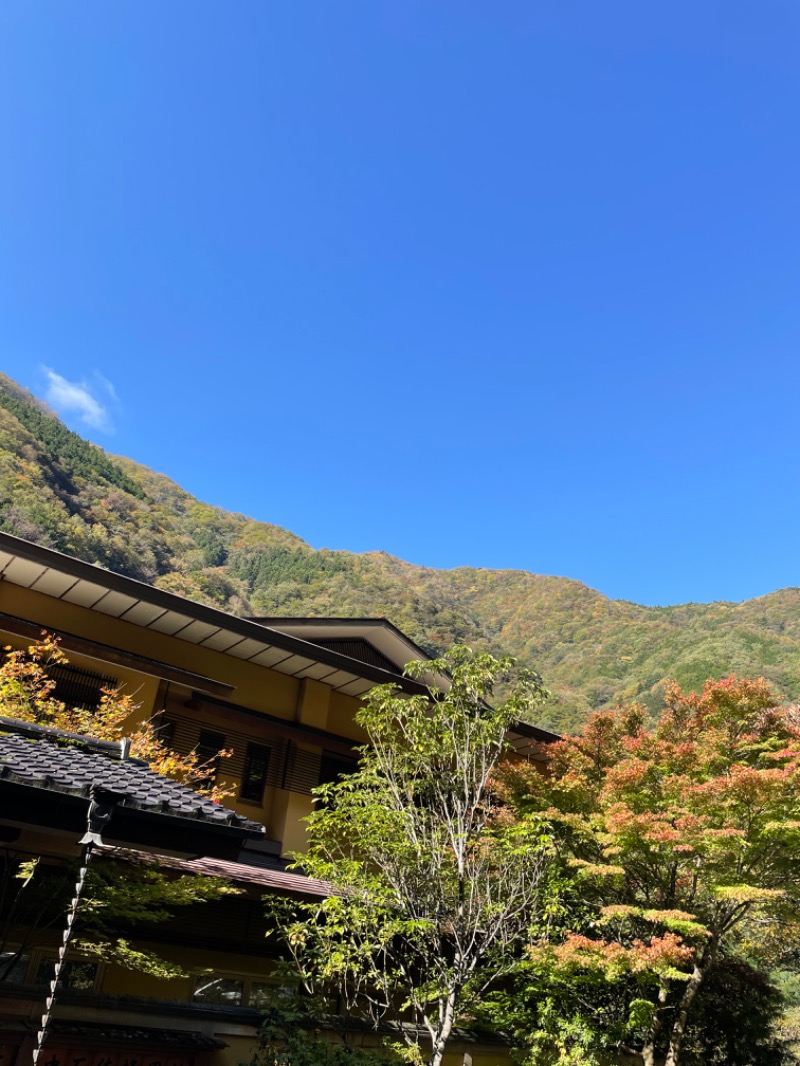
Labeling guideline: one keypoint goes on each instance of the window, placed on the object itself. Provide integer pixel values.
(13, 967)
(208, 748)
(219, 990)
(76, 976)
(333, 768)
(165, 730)
(239, 990)
(256, 767)
(79, 688)
(264, 993)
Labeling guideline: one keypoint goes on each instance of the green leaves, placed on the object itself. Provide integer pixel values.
(435, 887)
(119, 952)
(290, 1036)
(129, 892)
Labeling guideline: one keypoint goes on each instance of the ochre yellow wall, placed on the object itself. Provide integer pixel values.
(340, 718)
(298, 807)
(313, 701)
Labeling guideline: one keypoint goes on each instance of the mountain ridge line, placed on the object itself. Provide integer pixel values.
(64, 492)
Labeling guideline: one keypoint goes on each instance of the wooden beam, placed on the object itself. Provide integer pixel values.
(20, 627)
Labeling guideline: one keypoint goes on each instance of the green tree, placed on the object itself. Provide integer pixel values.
(433, 887)
(124, 894)
(683, 837)
(290, 1035)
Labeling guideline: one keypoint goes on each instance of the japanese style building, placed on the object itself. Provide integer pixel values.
(281, 695)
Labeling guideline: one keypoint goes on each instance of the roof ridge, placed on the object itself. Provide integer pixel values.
(113, 749)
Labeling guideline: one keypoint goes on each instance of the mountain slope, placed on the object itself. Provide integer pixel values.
(61, 491)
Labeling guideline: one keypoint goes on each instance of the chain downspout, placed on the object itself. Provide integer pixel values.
(100, 810)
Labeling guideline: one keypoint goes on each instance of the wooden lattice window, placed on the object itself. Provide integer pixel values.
(256, 770)
(79, 688)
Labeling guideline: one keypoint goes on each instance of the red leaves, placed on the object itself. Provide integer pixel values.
(692, 811)
(657, 954)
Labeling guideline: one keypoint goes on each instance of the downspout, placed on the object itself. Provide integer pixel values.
(101, 807)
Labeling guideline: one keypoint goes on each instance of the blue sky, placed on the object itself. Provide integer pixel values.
(506, 285)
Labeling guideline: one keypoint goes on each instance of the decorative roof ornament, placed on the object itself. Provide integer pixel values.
(100, 810)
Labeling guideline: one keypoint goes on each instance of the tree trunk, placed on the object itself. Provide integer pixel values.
(445, 1029)
(687, 999)
(649, 1049)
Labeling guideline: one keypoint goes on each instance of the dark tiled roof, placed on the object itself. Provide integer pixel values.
(288, 881)
(242, 873)
(65, 763)
(129, 1034)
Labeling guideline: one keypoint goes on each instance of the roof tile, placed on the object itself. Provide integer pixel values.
(54, 763)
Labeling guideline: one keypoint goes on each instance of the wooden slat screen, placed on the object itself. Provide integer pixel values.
(289, 766)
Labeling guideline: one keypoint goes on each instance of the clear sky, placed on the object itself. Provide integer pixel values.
(507, 284)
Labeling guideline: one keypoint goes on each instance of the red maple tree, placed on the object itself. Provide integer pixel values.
(685, 835)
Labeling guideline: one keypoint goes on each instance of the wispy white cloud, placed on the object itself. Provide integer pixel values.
(77, 398)
(106, 385)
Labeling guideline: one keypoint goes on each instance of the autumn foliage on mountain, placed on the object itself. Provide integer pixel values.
(58, 490)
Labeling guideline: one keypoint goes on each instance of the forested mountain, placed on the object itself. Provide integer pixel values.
(63, 492)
